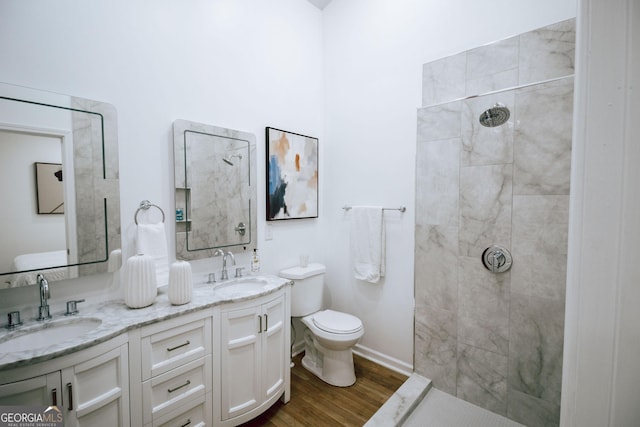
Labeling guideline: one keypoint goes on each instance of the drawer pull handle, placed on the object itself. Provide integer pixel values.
(54, 397)
(171, 390)
(178, 346)
(260, 319)
(186, 424)
(70, 390)
(266, 322)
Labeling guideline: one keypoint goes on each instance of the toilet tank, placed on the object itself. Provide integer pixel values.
(307, 289)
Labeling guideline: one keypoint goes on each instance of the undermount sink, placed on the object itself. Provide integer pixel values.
(240, 287)
(47, 334)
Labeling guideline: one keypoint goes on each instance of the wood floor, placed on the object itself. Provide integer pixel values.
(315, 403)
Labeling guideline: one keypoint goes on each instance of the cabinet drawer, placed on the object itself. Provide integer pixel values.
(174, 346)
(165, 393)
(195, 413)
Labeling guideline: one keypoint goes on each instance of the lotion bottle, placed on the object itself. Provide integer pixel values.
(255, 262)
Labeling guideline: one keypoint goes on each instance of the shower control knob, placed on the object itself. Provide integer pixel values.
(497, 259)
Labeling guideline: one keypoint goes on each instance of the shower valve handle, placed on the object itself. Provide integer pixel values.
(496, 259)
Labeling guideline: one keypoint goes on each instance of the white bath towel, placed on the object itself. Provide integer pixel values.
(151, 240)
(368, 243)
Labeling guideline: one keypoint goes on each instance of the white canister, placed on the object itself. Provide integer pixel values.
(140, 289)
(180, 283)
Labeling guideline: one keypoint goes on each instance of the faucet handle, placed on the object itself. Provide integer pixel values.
(72, 307)
(14, 320)
(239, 271)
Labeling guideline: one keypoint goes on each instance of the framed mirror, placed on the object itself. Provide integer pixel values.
(215, 189)
(59, 183)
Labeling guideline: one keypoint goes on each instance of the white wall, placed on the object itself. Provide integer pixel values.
(241, 64)
(374, 51)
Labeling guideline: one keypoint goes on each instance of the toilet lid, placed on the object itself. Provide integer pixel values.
(337, 322)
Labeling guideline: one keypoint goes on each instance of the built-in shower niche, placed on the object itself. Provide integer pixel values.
(496, 340)
(215, 189)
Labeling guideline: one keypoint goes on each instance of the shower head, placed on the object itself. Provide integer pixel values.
(228, 161)
(495, 116)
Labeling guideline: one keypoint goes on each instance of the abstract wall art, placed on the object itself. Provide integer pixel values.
(292, 175)
(49, 189)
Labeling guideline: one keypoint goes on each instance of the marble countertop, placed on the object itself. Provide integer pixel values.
(117, 318)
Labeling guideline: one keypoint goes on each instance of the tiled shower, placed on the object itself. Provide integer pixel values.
(495, 340)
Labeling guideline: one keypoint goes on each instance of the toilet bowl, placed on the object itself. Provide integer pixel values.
(329, 338)
(330, 335)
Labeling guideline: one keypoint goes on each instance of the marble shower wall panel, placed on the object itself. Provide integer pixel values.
(436, 292)
(543, 135)
(444, 80)
(536, 56)
(536, 333)
(495, 339)
(438, 173)
(492, 67)
(547, 53)
(485, 208)
(436, 344)
(482, 379)
(483, 307)
(539, 244)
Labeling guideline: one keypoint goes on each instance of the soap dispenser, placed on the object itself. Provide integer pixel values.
(255, 262)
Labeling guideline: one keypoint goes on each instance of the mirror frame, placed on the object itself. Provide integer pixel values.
(96, 170)
(180, 130)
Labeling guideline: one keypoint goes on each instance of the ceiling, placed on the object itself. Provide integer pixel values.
(320, 4)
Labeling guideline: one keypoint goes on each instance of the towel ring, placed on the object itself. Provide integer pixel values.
(145, 205)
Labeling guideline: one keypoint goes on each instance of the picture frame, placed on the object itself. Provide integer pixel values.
(292, 175)
(49, 188)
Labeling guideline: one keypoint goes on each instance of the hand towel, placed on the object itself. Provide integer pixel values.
(151, 240)
(368, 243)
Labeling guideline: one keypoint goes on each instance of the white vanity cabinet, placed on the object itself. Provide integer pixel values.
(252, 348)
(90, 387)
(171, 369)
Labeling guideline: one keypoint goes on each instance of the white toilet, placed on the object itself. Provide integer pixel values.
(330, 335)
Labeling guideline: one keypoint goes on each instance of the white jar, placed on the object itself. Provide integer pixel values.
(180, 283)
(140, 288)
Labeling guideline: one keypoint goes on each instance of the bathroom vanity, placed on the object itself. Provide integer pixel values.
(219, 360)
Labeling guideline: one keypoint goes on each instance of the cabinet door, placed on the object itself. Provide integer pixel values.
(97, 391)
(240, 362)
(273, 348)
(44, 390)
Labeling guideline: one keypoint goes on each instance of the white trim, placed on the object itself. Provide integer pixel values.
(602, 340)
(384, 360)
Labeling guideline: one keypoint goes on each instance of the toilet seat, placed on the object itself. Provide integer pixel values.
(336, 322)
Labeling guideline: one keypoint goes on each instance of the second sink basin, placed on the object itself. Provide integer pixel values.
(241, 287)
(47, 334)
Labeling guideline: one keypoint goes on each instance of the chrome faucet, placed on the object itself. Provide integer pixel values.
(225, 274)
(43, 285)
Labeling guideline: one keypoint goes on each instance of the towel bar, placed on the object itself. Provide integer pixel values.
(401, 208)
(145, 205)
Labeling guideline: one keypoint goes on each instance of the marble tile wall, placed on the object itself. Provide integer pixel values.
(495, 340)
(531, 57)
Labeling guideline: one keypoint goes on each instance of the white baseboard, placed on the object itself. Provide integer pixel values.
(384, 360)
(375, 356)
